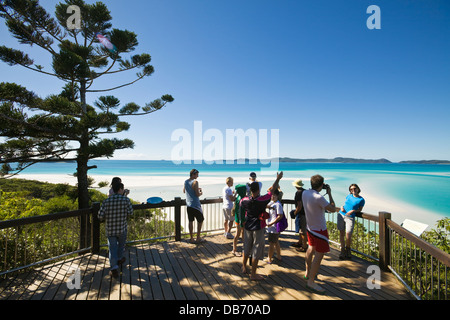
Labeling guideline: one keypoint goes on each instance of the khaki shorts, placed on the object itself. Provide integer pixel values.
(227, 214)
(254, 242)
(345, 223)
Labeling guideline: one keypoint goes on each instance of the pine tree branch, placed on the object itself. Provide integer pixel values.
(48, 155)
(100, 74)
(44, 72)
(31, 125)
(118, 87)
(139, 114)
(32, 39)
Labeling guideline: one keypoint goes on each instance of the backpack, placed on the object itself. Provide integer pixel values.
(282, 224)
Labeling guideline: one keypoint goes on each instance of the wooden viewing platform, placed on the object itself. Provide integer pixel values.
(178, 270)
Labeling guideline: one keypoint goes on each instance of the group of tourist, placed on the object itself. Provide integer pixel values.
(246, 208)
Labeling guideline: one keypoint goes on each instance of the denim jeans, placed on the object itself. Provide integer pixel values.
(116, 245)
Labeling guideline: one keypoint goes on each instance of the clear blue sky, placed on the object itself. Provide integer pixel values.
(311, 69)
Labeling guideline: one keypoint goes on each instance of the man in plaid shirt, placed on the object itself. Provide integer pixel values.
(114, 211)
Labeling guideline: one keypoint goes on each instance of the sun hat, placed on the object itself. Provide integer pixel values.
(298, 183)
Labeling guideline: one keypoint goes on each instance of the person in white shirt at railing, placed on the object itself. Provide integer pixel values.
(315, 205)
(228, 202)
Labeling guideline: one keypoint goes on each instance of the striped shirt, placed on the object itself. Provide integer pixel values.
(115, 211)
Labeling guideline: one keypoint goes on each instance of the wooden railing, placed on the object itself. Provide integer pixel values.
(27, 242)
(34, 240)
(423, 268)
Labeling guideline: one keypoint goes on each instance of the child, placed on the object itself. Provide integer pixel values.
(114, 181)
(239, 216)
(276, 213)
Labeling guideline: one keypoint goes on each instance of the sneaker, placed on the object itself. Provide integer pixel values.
(343, 254)
(114, 273)
(229, 236)
(349, 253)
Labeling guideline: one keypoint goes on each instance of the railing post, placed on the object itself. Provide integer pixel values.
(177, 219)
(95, 235)
(385, 241)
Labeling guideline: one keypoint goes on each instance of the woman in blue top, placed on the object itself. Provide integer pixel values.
(346, 219)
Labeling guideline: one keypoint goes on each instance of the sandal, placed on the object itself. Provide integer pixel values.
(316, 290)
(236, 254)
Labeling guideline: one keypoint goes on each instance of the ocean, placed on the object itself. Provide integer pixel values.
(419, 192)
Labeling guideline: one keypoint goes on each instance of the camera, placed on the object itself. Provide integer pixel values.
(325, 186)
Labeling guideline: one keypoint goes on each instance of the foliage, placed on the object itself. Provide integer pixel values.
(427, 277)
(27, 198)
(425, 274)
(364, 240)
(440, 236)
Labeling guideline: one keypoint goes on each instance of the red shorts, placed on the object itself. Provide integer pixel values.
(320, 244)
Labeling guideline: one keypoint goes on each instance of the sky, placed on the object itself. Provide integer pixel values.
(311, 70)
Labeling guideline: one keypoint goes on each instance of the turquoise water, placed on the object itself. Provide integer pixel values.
(425, 187)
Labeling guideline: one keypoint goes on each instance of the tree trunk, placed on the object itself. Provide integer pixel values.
(83, 184)
(82, 176)
(83, 156)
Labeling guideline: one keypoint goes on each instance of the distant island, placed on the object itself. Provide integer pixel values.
(355, 160)
(426, 161)
(336, 160)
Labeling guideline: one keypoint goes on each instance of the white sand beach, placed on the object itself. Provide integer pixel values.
(170, 186)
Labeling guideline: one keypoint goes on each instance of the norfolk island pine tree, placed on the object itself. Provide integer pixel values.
(36, 129)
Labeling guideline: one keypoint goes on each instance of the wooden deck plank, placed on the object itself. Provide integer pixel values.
(144, 274)
(153, 275)
(105, 282)
(233, 278)
(62, 290)
(164, 279)
(125, 277)
(34, 286)
(18, 284)
(184, 284)
(198, 270)
(203, 264)
(208, 271)
(94, 290)
(190, 282)
(85, 269)
(254, 290)
(172, 279)
(57, 281)
(135, 280)
(86, 284)
(219, 274)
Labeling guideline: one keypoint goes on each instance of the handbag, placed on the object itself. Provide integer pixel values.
(282, 224)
